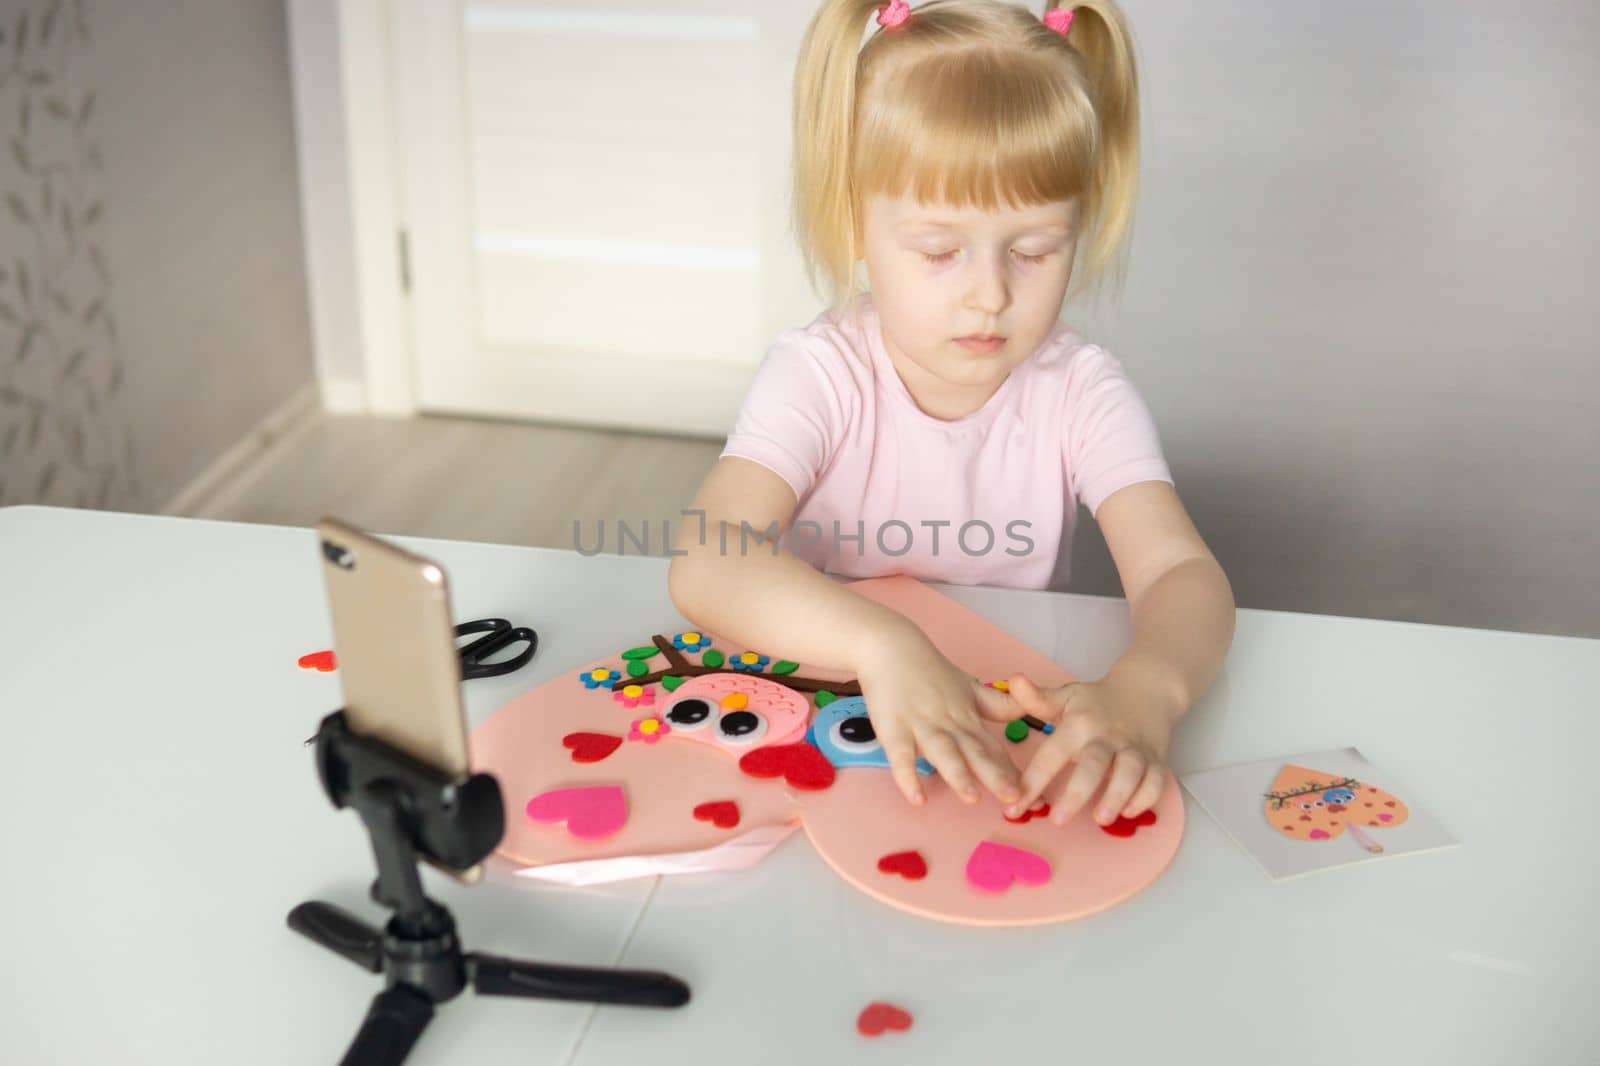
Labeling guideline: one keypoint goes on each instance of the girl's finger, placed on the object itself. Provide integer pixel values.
(991, 763)
(901, 752)
(1127, 771)
(995, 705)
(1042, 769)
(1149, 790)
(1030, 697)
(1093, 760)
(941, 750)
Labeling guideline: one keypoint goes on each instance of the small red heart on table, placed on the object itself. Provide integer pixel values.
(323, 661)
(801, 765)
(1126, 827)
(908, 864)
(724, 814)
(878, 1018)
(590, 747)
(1028, 816)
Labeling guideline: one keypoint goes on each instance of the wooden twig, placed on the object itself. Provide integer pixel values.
(678, 666)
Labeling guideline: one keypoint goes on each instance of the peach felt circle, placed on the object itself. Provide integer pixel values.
(1090, 870)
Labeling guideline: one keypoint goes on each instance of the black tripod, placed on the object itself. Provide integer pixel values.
(411, 809)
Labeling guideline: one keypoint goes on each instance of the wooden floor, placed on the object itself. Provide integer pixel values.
(472, 479)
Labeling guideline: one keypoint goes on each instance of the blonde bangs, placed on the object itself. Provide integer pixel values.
(977, 130)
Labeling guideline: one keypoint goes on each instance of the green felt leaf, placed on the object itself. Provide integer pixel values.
(638, 668)
(641, 653)
(784, 666)
(825, 698)
(671, 682)
(713, 658)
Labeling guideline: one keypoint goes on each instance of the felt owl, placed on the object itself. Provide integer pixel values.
(844, 734)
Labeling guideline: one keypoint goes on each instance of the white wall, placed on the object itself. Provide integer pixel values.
(1362, 307)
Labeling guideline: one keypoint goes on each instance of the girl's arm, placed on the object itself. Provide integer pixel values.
(1116, 731)
(767, 598)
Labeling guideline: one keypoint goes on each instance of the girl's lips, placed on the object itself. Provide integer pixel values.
(972, 344)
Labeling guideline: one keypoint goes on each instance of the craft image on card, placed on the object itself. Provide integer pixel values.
(1310, 812)
(685, 753)
(1313, 806)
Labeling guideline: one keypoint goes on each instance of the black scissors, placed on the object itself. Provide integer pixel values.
(498, 634)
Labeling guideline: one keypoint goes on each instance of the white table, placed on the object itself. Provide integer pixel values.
(161, 817)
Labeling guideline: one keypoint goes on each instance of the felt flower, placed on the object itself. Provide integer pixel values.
(631, 696)
(600, 677)
(649, 729)
(749, 663)
(1000, 686)
(691, 642)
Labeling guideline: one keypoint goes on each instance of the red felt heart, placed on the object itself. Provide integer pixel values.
(1028, 816)
(1126, 827)
(908, 864)
(880, 1017)
(590, 747)
(724, 814)
(319, 660)
(1388, 803)
(801, 765)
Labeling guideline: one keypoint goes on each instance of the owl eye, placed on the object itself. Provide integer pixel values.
(689, 715)
(1305, 806)
(1318, 803)
(854, 735)
(741, 727)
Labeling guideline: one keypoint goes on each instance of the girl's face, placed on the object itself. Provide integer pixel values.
(938, 274)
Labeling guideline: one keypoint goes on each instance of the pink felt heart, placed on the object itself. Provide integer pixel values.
(1385, 817)
(992, 867)
(1317, 834)
(591, 813)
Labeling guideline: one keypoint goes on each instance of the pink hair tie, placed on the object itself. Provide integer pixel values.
(894, 13)
(1058, 19)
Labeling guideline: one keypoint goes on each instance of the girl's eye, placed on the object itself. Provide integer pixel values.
(945, 257)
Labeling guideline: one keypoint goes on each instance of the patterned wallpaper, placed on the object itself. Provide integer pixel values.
(64, 435)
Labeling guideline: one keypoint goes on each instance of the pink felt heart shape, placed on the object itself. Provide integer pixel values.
(591, 813)
(1317, 834)
(992, 867)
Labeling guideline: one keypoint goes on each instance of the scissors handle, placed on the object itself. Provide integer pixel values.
(498, 633)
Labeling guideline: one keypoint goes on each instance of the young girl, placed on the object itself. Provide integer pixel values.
(966, 153)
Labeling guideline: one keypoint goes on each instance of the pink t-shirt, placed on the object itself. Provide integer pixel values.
(988, 499)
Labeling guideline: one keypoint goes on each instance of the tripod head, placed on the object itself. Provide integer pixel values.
(454, 823)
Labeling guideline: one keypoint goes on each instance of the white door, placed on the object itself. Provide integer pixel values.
(596, 205)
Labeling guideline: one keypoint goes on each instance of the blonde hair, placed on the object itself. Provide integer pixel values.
(966, 103)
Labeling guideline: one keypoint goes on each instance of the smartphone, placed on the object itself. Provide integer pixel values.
(395, 645)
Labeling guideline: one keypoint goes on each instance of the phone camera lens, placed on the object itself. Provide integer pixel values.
(343, 558)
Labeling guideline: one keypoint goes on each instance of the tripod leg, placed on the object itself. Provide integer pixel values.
(340, 932)
(493, 976)
(394, 1022)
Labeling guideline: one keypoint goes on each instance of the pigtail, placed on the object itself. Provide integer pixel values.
(1100, 35)
(824, 109)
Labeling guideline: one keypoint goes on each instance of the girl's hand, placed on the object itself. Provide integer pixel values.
(1113, 730)
(920, 701)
